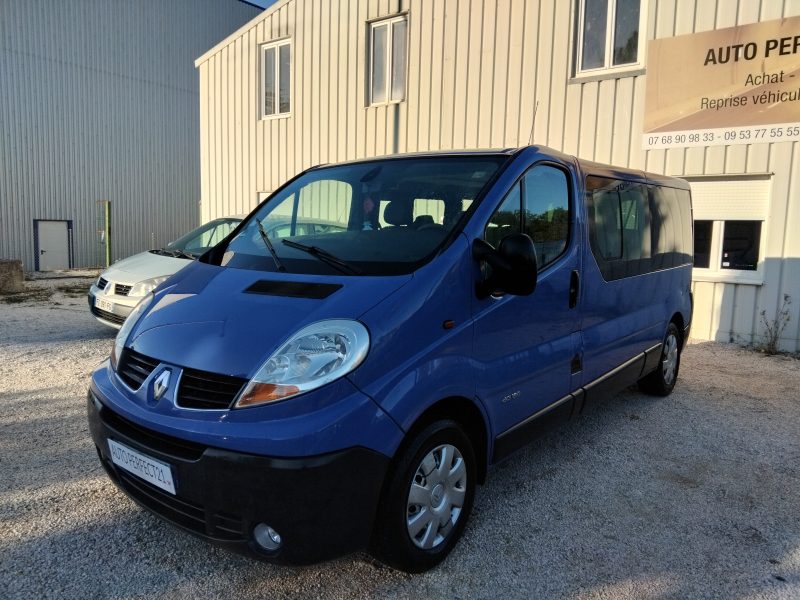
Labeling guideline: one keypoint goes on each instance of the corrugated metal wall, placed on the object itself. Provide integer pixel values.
(476, 71)
(99, 101)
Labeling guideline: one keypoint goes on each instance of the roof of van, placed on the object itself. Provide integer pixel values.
(587, 167)
(425, 154)
(601, 170)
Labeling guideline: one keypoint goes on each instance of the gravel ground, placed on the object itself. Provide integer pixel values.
(692, 496)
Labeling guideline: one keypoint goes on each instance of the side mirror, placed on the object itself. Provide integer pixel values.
(513, 268)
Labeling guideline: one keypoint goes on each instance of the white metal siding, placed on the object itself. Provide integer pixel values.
(99, 101)
(477, 69)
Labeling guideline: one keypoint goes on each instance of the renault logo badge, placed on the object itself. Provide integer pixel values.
(161, 384)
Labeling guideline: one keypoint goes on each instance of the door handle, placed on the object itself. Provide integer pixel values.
(42, 252)
(574, 288)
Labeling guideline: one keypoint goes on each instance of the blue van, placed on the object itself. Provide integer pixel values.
(305, 395)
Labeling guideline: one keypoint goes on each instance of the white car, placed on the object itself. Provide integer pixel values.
(120, 287)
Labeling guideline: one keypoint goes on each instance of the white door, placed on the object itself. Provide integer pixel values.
(53, 245)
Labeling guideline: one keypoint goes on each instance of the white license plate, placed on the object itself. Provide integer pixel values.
(151, 470)
(104, 304)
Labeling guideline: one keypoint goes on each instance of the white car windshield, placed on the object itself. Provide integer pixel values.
(199, 240)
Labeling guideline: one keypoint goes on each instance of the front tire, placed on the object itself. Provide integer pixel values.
(661, 382)
(427, 499)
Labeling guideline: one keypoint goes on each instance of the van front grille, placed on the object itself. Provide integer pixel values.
(122, 290)
(133, 368)
(201, 389)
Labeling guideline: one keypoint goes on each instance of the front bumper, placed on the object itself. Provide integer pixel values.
(119, 309)
(322, 506)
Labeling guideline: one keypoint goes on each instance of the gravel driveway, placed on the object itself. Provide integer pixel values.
(692, 496)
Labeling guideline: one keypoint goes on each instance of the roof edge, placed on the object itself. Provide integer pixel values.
(239, 32)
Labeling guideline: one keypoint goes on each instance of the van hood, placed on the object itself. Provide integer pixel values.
(143, 266)
(228, 321)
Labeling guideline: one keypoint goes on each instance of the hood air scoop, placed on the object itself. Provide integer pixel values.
(293, 289)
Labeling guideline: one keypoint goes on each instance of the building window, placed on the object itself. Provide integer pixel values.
(387, 65)
(729, 228)
(740, 242)
(610, 35)
(727, 245)
(276, 68)
(702, 244)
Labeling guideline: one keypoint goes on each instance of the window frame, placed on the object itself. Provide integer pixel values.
(731, 197)
(276, 45)
(388, 22)
(715, 272)
(520, 181)
(608, 69)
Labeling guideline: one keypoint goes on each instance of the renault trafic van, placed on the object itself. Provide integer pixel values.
(302, 397)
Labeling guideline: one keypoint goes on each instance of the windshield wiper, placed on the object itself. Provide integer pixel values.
(326, 257)
(270, 247)
(174, 253)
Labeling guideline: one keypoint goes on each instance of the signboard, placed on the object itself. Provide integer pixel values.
(739, 85)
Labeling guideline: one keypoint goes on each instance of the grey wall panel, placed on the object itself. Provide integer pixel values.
(100, 102)
(477, 71)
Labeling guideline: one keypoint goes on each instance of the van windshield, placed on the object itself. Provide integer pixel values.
(379, 217)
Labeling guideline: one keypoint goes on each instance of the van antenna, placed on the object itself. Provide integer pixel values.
(533, 123)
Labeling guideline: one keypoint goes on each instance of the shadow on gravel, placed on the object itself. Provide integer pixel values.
(48, 324)
(67, 564)
(138, 555)
(52, 334)
(635, 495)
(52, 396)
(45, 439)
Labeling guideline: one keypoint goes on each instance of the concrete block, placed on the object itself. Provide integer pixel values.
(11, 277)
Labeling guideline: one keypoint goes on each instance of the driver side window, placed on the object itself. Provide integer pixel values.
(506, 219)
(537, 205)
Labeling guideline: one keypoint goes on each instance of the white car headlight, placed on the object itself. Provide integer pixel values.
(127, 326)
(142, 288)
(317, 354)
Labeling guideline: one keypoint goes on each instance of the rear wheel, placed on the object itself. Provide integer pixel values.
(427, 500)
(662, 381)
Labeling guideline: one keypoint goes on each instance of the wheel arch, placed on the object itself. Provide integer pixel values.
(466, 413)
(677, 318)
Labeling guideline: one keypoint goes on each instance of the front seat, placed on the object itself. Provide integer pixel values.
(398, 213)
(423, 220)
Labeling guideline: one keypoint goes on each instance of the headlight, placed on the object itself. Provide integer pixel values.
(125, 330)
(314, 356)
(143, 288)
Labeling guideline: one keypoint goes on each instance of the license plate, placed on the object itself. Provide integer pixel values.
(105, 305)
(151, 470)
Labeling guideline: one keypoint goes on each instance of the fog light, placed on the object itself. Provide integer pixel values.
(266, 537)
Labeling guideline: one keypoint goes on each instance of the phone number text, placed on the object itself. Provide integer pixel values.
(722, 137)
